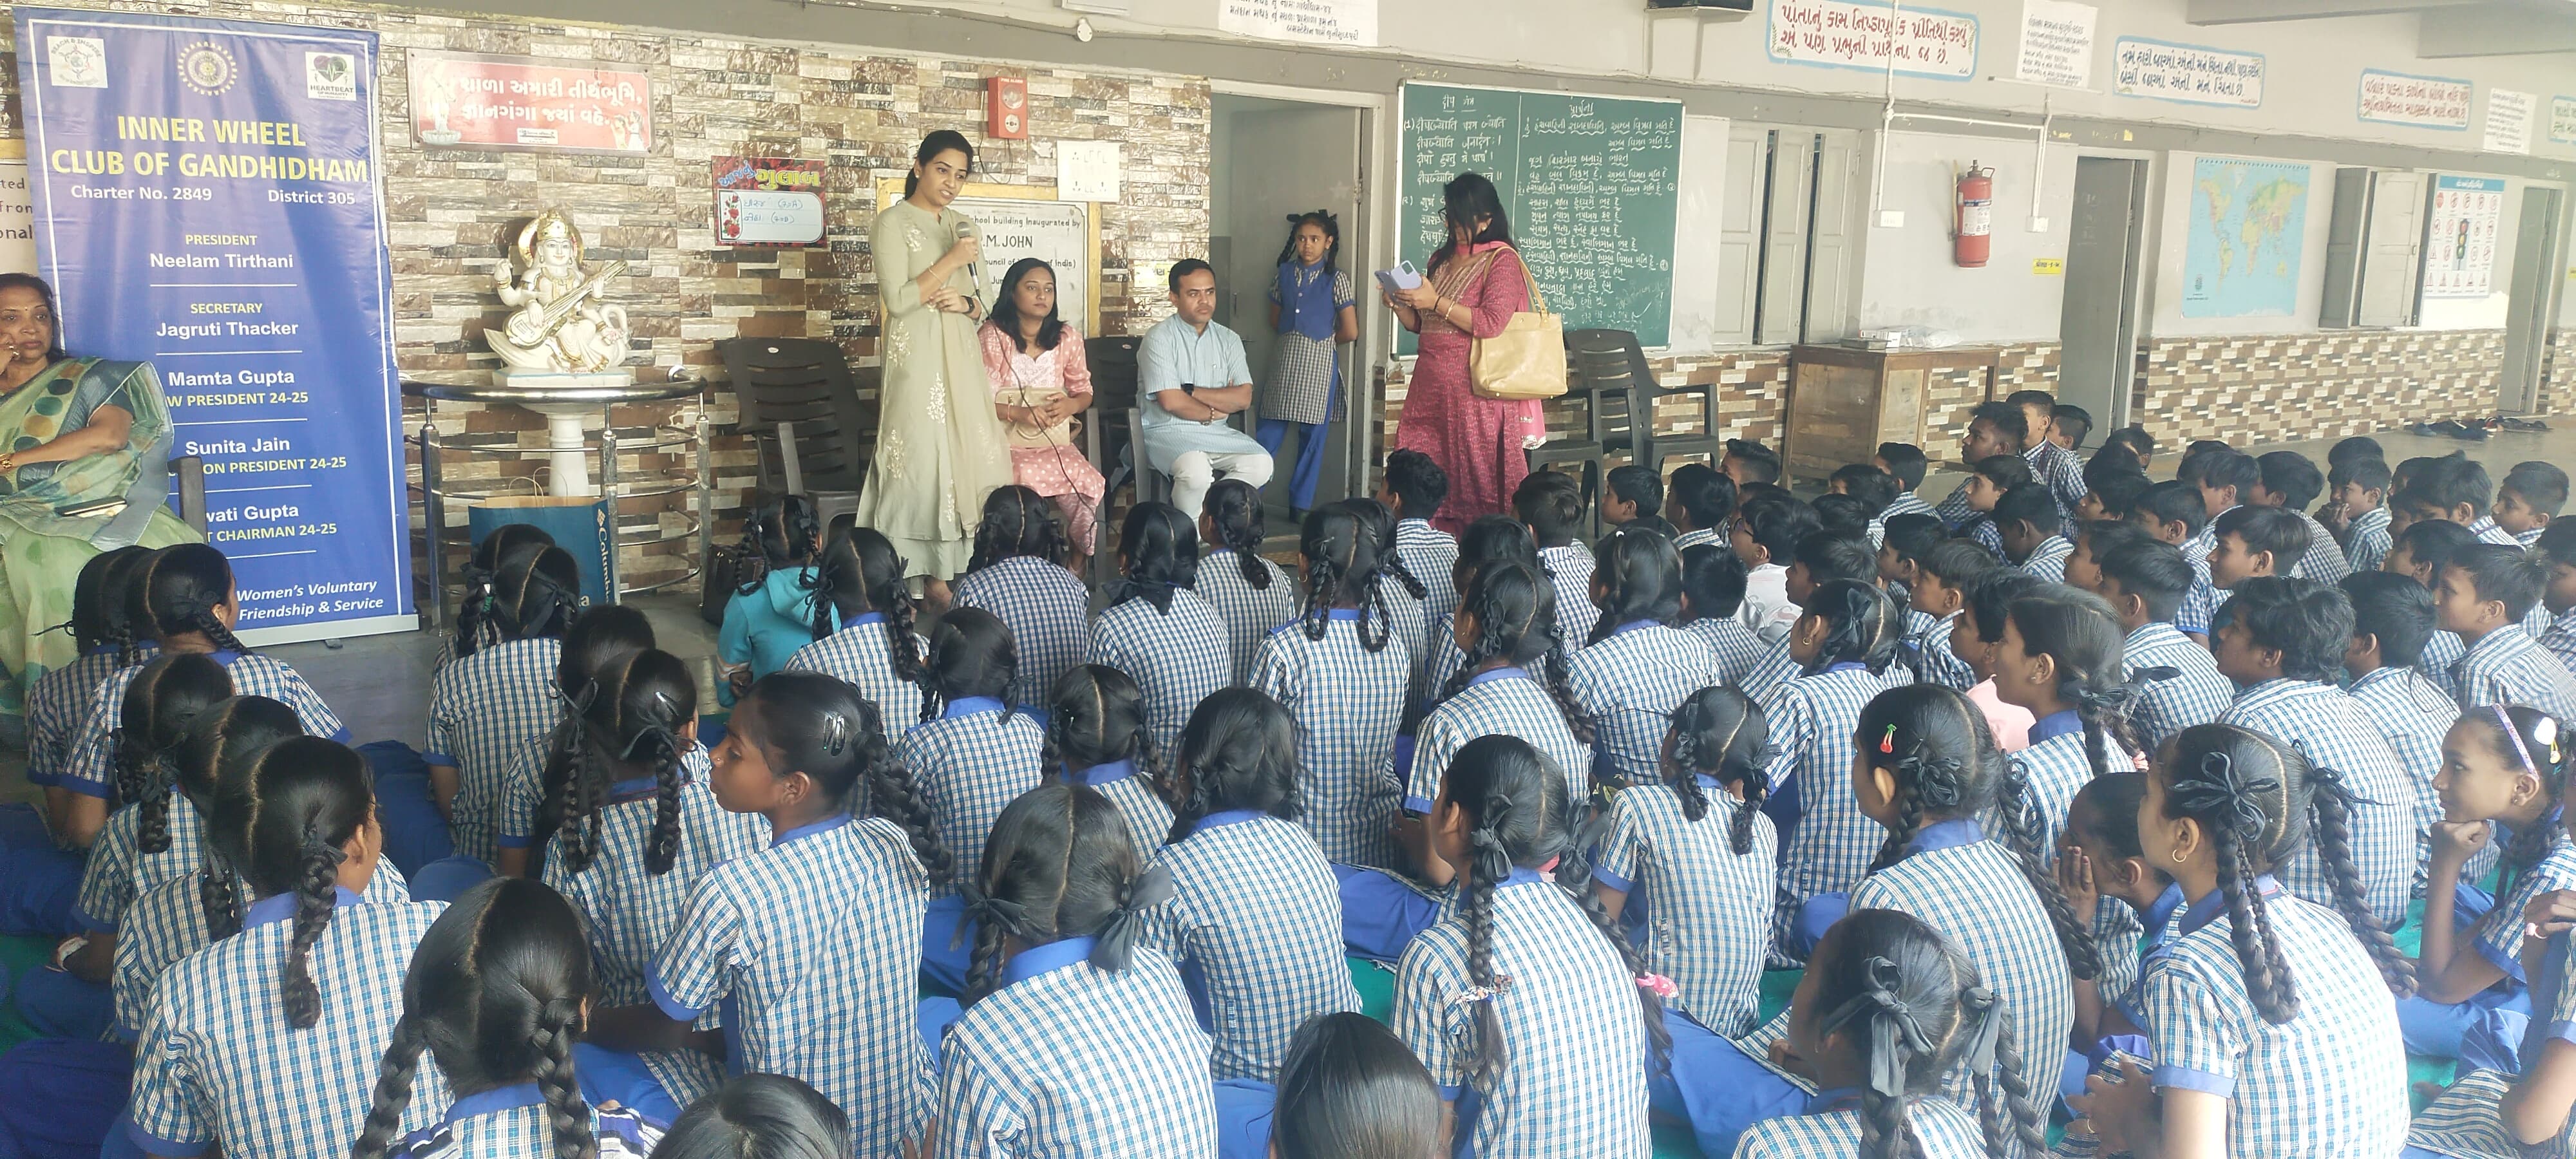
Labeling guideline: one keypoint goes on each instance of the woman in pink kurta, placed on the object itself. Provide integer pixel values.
(1041, 378)
(1476, 284)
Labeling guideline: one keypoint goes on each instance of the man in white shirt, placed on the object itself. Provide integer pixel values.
(1192, 374)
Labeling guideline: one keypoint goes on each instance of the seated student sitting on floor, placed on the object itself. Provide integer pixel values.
(811, 945)
(2028, 531)
(1556, 1059)
(2129, 905)
(2485, 592)
(1249, 593)
(1350, 1090)
(1700, 504)
(864, 625)
(2144, 580)
(2172, 512)
(107, 605)
(1713, 583)
(1977, 636)
(1905, 463)
(601, 638)
(494, 996)
(2112, 488)
(1926, 772)
(1095, 737)
(2051, 465)
(2392, 617)
(1156, 627)
(1874, 488)
(2061, 659)
(2419, 552)
(766, 621)
(1632, 492)
(1342, 673)
(2283, 1007)
(1900, 550)
(1766, 534)
(1846, 647)
(2359, 513)
(1078, 1038)
(2250, 543)
(1636, 667)
(2531, 495)
(1018, 574)
(1988, 481)
(497, 696)
(2557, 548)
(1749, 462)
(2456, 489)
(1414, 487)
(1550, 503)
(970, 759)
(2289, 482)
(2496, 767)
(1942, 577)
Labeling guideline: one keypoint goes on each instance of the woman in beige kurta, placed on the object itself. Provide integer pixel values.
(940, 447)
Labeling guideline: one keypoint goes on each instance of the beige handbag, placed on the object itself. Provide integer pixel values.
(1526, 360)
(1035, 438)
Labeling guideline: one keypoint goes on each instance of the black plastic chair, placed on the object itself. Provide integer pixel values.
(797, 396)
(1579, 447)
(1113, 435)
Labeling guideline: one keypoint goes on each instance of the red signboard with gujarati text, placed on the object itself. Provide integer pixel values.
(515, 102)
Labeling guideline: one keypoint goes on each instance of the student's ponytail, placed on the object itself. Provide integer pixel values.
(971, 655)
(633, 718)
(1862, 625)
(567, 1113)
(1017, 521)
(184, 587)
(315, 898)
(163, 700)
(1719, 732)
(1915, 1006)
(395, 1074)
(894, 795)
(2024, 834)
(782, 533)
(2330, 803)
(2239, 787)
(98, 601)
(283, 824)
(1161, 547)
(1988, 1018)
(1390, 561)
(1059, 864)
(537, 594)
(1234, 508)
(1238, 752)
(129, 625)
(2079, 633)
(1641, 579)
(476, 627)
(1343, 563)
(1514, 607)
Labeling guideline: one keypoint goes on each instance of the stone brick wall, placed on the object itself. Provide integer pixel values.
(2557, 372)
(862, 112)
(2313, 386)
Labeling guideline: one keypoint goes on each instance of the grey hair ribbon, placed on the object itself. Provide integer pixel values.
(1895, 1036)
(1117, 943)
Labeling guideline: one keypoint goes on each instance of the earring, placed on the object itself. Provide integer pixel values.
(2177, 857)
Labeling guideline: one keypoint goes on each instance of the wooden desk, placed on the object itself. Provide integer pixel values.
(1844, 400)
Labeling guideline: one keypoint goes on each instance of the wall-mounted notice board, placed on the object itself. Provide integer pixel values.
(1591, 185)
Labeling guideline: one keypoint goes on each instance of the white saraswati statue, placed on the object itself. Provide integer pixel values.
(558, 324)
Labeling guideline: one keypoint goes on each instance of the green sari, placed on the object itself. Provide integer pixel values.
(42, 545)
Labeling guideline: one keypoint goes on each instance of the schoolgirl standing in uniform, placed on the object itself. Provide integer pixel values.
(2508, 766)
(2060, 659)
(497, 994)
(1533, 1015)
(1077, 1039)
(1249, 593)
(635, 828)
(1018, 574)
(863, 625)
(1885, 1006)
(61, 699)
(1846, 642)
(1254, 906)
(267, 1042)
(600, 638)
(1155, 628)
(811, 945)
(1095, 737)
(2269, 1015)
(971, 759)
(1510, 682)
(1341, 672)
(499, 694)
(1490, 538)
(1636, 666)
(189, 593)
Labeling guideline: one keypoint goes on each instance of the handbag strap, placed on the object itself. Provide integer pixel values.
(1538, 296)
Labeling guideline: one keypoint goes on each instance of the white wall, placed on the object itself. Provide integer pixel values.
(1909, 277)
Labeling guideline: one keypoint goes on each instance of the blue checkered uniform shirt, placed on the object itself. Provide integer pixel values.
(813, 945)
(1069, 1059)
(2057, 764)
(2467, 1120)
(118, 871)
(2330, 1083)
(1929, 639)
(1348, 703)
(2561, 639)
(1906, 503)
(1139, 803)
(1715, 536)
(2334, 730)
(168, 923)
(2324, 561)
(1260, 913)
(482, 710)
(2413, 716)
(1832, 1129)
(1505, 700)
(1954, 509)
(2367, 540)
(2166, 707)
(513, 1122)
(1445, 657)
(1249, 612)
(1777, 666)
(1629, 684)
(2507, 666)
(1575, 1080)
(1694, 890)
(2064, 474)
(1432, 556)
(1735, 646)
(61, 702)
(92, 768)
(629, 914)
(1570, 567)
(217, 1060)
(2200, 601)
(2048, 560)
(861, 655)
(1178, 659)
(969, 764)
(1811, 719)
(1048, 611)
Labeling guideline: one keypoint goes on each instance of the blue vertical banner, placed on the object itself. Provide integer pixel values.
(206, 199)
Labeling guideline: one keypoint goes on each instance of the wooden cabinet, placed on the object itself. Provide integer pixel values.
(1846, 400)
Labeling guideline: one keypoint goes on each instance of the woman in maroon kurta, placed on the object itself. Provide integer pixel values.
(1476, 284)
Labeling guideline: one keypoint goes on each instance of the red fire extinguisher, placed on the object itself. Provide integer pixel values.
(1976, 217)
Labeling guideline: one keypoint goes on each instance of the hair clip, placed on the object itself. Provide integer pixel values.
(1661, 986)
(836, 732)
(1474, 994)
(1887, 744)
(2546, 732)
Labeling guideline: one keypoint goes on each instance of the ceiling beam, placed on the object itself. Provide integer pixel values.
(2260, 11)
(2496, 31)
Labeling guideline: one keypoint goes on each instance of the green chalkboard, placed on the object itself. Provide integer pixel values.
(1591, 184)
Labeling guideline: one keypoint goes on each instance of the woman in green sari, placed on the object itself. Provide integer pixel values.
(84, 445)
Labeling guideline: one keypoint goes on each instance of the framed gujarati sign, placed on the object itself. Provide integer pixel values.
(472, 100)
(1026, 221)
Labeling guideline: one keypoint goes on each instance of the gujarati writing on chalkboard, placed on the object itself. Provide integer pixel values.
(1590, 184)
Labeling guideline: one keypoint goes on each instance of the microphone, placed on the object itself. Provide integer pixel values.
(974, 269)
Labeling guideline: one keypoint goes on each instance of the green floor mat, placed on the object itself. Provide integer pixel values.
(1376, 983)
(17, 956)
(1777, 986)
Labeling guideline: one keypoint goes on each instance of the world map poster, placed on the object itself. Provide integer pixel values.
(2248, 223)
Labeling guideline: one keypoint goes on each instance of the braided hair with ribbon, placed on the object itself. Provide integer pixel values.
(216, 748)
(1890, 1006)
(1059, 865)
(99, 600)
(1158, 548)
(1017, 521)
(1933, 745)
(536, 594)
(476, 628)
(1859, 625)
(971, 655)
(1719, 733)
(1342, 554)
(1238, 752)
(638, 719)
(817, 726)
(1510, 609)
(1510, 800)
(286, 824)
(187, 588)
(164, 698)
(494, 994)
(859, 572)
(2085, 644)
(1636, 575)
(601, 638)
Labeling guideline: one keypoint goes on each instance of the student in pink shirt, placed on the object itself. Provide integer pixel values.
(1975, 636)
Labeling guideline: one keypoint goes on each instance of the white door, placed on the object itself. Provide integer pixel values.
(1280, 159)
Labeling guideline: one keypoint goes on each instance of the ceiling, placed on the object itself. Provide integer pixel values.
(2450, 28)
